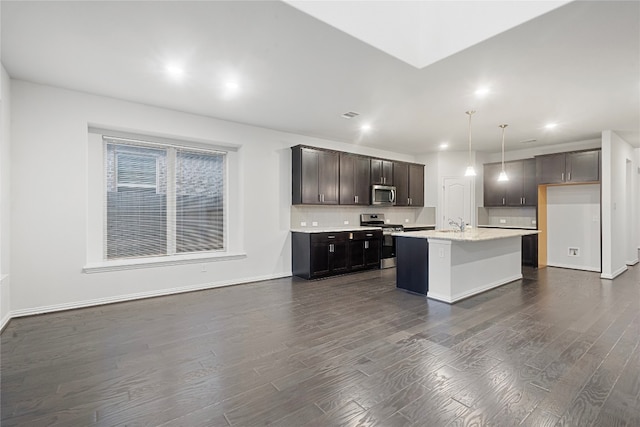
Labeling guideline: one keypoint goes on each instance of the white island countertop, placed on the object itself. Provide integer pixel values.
(469, 235)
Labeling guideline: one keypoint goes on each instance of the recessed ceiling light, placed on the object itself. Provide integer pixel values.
(174, 71)
(482, 91)
(365, 127)
(444, 145)
(550, 125)
(232, 86)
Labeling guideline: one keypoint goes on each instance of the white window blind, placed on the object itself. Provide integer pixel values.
(162, 199)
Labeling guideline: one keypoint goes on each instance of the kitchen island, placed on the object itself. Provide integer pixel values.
(452, 265)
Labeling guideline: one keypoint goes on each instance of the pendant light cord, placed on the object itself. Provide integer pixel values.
(470, 113)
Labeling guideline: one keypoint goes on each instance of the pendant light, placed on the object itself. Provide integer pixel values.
(503, 175)
(470, 170)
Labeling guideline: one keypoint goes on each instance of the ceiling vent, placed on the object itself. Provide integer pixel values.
(350, 115)
(528, 141)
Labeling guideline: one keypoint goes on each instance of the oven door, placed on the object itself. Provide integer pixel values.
(383, 195)
(388, 255)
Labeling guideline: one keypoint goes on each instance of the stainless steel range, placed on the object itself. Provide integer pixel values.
(388, 252)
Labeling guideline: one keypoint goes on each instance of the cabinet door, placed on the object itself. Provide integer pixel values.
(339, 257)
(583, 166)
(387, 172)
(372, 253)
(529, 185)
(550, 169)
(357, 254)
(530, 250)
(416, 185)
(320, 259)
(347, 179)
(376, 172)
(362, 186)
(513, 187)
(354, 179)
(494, 190)
(309, 174)
(328, 169)
(401, 180)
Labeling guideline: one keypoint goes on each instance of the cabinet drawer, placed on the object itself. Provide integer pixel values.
(329, 237)
(366, 235)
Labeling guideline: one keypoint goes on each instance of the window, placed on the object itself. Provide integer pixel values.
(162, 199)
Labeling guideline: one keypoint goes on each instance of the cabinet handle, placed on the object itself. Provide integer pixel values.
(369, 235)
(366, 244)
(562, 176)
(331, 237)
(409, 201)
(331, 247)
(503, 201)
(355, 199)
(569, 176)
(524, 200)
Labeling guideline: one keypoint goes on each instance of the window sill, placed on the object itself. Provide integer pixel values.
(130, 264)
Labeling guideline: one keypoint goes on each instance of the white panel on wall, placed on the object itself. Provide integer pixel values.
(573, 226)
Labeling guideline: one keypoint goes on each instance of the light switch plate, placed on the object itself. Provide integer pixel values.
(314, 224)
(503, 221)
(303, 224)
(345, 222)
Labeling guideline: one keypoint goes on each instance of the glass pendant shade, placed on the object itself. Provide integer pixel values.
(503, 175)
(470, 169)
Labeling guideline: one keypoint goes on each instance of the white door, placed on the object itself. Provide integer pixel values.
(456, 204)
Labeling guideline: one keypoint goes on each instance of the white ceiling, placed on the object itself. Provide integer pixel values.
(577, 65)
(421, 32)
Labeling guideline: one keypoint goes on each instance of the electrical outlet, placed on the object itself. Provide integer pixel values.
(574, 251)
(303, 224)
(345, 222)
(406, 220)
(314, 224)
(503, 221)
(533, 222)
(388, 221)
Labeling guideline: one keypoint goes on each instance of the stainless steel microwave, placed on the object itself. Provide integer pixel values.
(383, 195)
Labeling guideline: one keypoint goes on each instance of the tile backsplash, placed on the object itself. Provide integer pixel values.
(333, 216)
(508, 217)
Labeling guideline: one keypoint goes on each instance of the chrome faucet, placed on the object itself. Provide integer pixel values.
(460, 226)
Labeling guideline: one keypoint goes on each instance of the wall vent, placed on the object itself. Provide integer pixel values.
(350, 115)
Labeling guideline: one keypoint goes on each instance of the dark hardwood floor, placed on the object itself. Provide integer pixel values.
(559, 347)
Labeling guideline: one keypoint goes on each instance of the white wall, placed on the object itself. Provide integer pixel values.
(50, 198)
(617, 194)
(5, 196)
(573, 216)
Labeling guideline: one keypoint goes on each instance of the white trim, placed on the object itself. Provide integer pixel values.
(130, 264)
(614, 274)
(141, 295)
(632, 262)
(5, 321)
(573, 267)
(474, 291)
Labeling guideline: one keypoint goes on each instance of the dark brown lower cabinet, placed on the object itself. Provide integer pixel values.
(316, 255)
(530, 250)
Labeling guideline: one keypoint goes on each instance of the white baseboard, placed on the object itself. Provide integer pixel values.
(140, 295)
(632, 262)
(614, 274)
(574, 267)
(4, 321)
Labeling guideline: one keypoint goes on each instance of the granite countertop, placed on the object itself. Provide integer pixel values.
(334, 229)
(509, 227)
(470, 235)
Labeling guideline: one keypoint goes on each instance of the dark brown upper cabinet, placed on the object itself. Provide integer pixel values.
(572, 167)
(408, 179)
(315, 176)
(381, 172)
(354, 179)
(519, 190)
